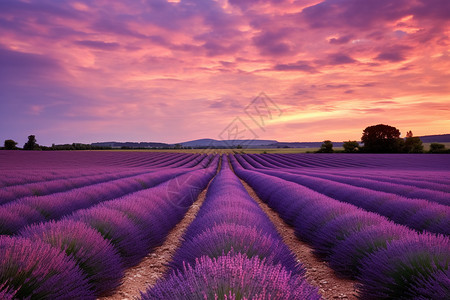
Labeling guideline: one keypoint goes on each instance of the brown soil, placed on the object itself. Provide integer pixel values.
(317, 271)
(153, 266)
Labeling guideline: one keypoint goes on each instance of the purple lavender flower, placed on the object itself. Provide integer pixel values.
(231, 238)
(37, 270)
(407, 268)
(339, 229)
(93, 254)
(6, 293)
(348, 255)
(232, 277)
(118, 229)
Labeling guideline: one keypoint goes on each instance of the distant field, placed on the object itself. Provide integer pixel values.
(230, 151)
(426, 147)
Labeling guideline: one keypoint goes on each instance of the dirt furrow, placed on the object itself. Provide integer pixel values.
(154, 265)
(317, 271)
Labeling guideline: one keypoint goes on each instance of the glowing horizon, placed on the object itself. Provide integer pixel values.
(173, 71)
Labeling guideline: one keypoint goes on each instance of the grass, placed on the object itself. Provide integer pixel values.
(426, 146)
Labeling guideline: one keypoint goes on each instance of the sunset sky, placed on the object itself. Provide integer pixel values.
(172, 71)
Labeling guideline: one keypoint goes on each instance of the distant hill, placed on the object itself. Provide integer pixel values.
(438, 138)
(131, 145)
(301, 144)
(228, 143)
(204, 143)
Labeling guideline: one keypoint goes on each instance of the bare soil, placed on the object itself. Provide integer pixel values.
(154, 265)
(318, 273)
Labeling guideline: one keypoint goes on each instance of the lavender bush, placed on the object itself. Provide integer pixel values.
(96, 257)
(412, 267)
(233, 276)
(37, 270)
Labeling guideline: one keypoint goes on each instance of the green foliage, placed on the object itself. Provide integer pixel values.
(382, 139)
(10, 145)
(413, 144)
(351, 146)
(327, 147)
(437, 148)
(76, 146)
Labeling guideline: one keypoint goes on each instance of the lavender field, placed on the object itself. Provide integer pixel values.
(73, 224)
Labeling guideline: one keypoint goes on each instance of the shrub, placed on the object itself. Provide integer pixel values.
(350, 146)
(37, 270)
(118, 229)
(230, 238)
(93, 254)
(407, 268)
(347, 257)
(337, 230)
(326, 147)
(232, 277)
(10, 145)
(437, 148)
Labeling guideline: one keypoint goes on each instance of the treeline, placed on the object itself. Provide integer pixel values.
(32, 144)
(384, 139)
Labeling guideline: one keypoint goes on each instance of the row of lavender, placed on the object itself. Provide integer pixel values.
(430, 212)
(21, 167)
(84, 254)
(28, 210)
(390, 261)
(232, 251)
(25, 161)
(410, 162)
(409, 171)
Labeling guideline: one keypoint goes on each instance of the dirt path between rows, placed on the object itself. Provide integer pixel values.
(153, 266)
(317, 271)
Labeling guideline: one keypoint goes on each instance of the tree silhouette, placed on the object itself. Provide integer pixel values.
(381, 139)
(327, 147)
(31, 144)
(10, 144)
(350, 146)
(413, 144)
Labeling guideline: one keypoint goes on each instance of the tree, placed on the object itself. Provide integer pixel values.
(409, 134)
(10, 145)
(178, 146)
(412, 144)
(31, 144)
(382, 139)
(327, 147)
(351, 146)
(437, 148)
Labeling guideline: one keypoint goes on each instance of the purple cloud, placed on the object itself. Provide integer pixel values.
(355, 13)
(99, 45)
(394, 53)
(18, 66)
(341, 40)
(298, 66)
(273, 43)
(339, 59)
